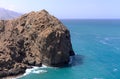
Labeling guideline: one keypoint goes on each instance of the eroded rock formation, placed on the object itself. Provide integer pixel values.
(33, 39)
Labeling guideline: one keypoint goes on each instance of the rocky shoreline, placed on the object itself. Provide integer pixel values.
(12, 77)
(33, 39)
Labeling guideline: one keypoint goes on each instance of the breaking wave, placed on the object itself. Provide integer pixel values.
(33, 70)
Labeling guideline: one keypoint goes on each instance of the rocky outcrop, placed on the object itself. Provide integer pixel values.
(33, 39)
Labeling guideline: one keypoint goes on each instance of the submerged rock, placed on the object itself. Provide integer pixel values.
(33, 39)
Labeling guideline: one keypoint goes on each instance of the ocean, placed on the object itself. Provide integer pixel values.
(97, 47)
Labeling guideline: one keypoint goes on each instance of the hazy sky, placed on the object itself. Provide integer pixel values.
(67, 8)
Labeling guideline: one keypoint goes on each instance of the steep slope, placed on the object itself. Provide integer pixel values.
(8, 14)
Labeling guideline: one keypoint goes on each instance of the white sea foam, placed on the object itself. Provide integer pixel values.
(28, 71)
(44, 66)
(39, 71)
(35, 70)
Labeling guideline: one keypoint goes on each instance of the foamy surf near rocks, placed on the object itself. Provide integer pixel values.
(33, 39)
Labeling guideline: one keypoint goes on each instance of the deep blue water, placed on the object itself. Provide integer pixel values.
(97, 47)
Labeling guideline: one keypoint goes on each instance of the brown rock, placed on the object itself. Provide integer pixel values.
(31, 40)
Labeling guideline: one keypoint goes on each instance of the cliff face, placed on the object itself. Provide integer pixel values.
(33, 39)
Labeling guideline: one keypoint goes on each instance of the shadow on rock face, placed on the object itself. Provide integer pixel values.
(74, 61)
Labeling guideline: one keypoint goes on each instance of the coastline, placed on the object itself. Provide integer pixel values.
(13, 77)
(33, 69)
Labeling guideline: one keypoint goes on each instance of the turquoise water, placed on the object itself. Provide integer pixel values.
(97, 47)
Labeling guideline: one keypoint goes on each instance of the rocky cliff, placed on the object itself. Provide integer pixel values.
(31, 40)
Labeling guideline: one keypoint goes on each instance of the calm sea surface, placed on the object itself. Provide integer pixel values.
(97, 47)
